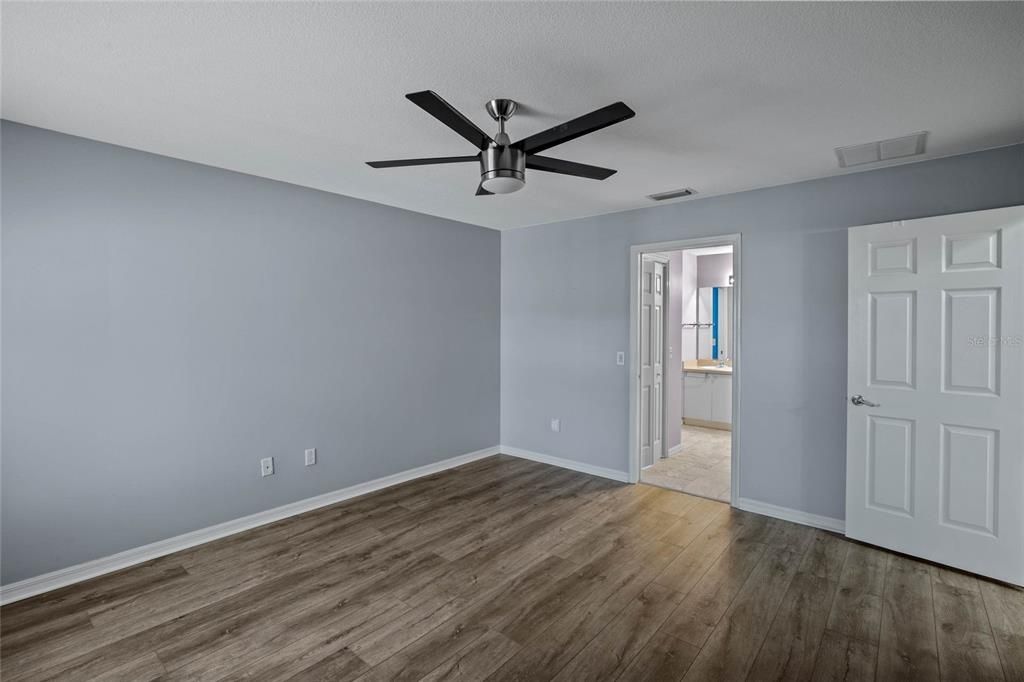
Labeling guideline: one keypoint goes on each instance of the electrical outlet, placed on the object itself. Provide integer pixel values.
(620, 358)
(310, 457)
(267, 466)
(556, 425)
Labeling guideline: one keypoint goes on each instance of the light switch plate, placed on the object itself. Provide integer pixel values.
(620, 358)
(310, 457)
(267, 466)
(556, 425)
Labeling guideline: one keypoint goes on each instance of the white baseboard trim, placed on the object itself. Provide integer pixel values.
(676, 450)
(603, 472)
(115, 562)
(794, 515)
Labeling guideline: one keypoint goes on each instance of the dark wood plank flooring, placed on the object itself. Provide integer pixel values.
(506, 569)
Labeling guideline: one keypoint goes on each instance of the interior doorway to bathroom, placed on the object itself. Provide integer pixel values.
(684, 351)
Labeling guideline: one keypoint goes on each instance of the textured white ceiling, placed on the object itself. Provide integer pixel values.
(728, 96)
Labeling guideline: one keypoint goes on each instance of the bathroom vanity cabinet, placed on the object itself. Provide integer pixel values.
(707, 398)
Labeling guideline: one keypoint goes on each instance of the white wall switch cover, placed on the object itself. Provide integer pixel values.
(267, 466)
(620, 358)
(556, 425)
(310, 456)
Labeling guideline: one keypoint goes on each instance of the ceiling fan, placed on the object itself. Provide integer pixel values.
(503, 163)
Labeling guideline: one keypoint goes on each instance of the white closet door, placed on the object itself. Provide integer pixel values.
(652, 334)
(935, 454)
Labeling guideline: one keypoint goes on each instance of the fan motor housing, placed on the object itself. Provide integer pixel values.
(503, 161)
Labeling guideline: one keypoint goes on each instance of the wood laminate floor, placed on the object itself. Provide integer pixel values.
(506, 569)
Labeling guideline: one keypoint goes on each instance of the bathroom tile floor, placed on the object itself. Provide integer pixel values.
(701, 468)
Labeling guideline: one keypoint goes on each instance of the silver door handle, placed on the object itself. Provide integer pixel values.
(860, 400)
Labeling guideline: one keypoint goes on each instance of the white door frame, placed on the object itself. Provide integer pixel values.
(635, 253)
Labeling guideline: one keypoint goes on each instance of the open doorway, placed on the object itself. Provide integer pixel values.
(684, 348)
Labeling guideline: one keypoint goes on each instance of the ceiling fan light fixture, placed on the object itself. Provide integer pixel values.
(502, 182)
(503, 163)
(502, 169)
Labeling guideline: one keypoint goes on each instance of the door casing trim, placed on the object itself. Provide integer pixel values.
(636, 251)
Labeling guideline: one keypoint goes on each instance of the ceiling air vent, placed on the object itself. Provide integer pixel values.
(883, 150)
(673, 194)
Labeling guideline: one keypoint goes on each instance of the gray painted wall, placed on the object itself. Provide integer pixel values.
(166, 325)
(565, 312)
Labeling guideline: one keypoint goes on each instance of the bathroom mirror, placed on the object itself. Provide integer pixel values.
(714, 317)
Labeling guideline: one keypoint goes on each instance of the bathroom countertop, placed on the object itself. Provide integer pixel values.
(692, 366)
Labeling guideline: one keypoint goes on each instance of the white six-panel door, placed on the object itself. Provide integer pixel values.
(652, 334)
(936, 468)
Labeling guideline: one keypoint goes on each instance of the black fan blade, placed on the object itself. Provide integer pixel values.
(481, 192)
(578, 127)
(430, 102)
(422, 162)
(582, 170)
